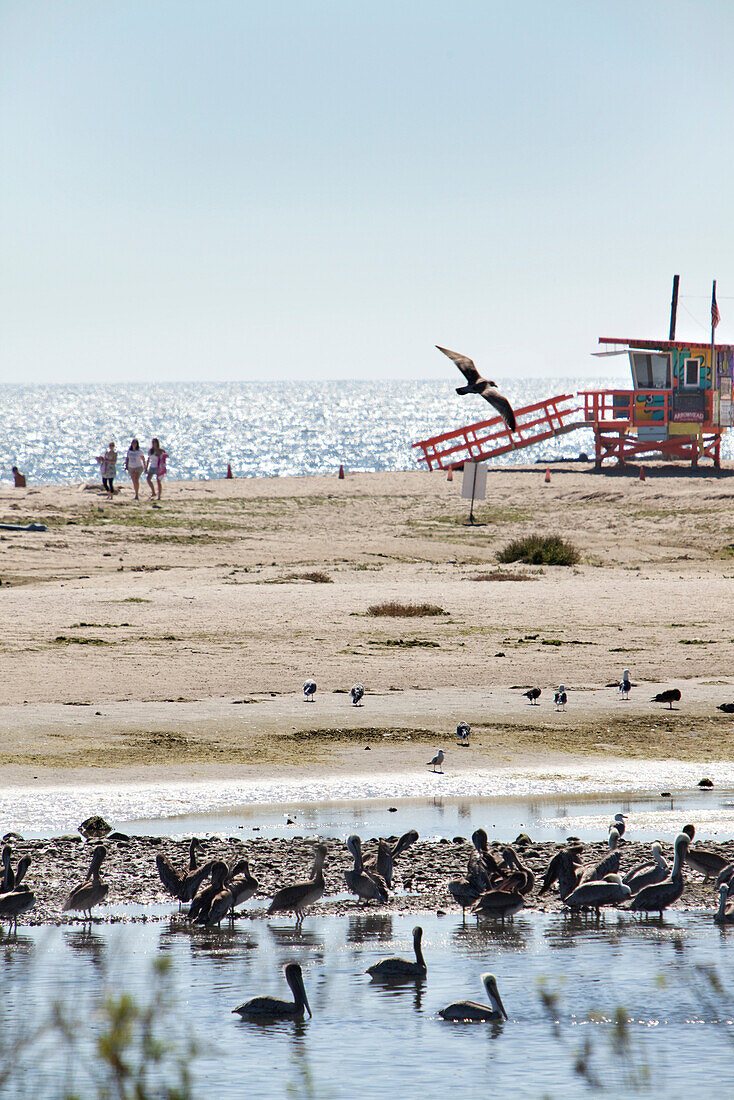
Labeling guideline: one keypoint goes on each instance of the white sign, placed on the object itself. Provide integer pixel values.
(474, 483)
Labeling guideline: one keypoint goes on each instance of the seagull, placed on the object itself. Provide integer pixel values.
(669, 696)
(462, 733)
(625, 684)
(477, 384)
(438, 759)
(618, 824)
(561, 698)
(357, 693)
(309, 689)
(727, 708)
(533, 695)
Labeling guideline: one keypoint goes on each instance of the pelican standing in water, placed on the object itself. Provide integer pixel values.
(396, 968)
(16, 902)
(387, 855)
(92, 891)
(296, 898)
(368, 886)
(655, 898)
(473, 1012)
(272, 1008)
(725, 913)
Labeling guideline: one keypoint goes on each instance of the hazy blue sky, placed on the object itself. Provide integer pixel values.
(228, 189)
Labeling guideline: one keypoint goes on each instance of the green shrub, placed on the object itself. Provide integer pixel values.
(405, 610)
(540, 550)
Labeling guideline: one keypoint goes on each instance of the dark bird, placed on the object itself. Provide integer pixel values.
(477, 384)
(462, 734)
(200, 905)
(387, 854)
(271, 1008)
(625, 684)
(92, 891)
(357, 694)
(471, 1011)
(368, 886)
(309, 689)
(183, 885)
(669, 696)
(395, 968)
(561, 698)
(14, 903)
(297, 897)
(727, 708)
(659, 895)
(533, 695)
(503, 901)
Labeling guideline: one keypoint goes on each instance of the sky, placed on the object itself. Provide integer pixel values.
(223, 189)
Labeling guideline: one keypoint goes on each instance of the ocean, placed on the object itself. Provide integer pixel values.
(53, 432)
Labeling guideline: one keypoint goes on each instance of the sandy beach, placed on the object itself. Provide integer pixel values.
(146, 640)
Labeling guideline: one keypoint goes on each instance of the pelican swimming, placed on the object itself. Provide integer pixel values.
(592, 895)
(395, 967)
(357, 694)
(300, 895)
(92, 891)
(438, 759)
(309, 689)
(271, 1008)
(476, 384)
(725, 913)
(650, 872)
(368, 886)
(655, 898)
(472, 1011)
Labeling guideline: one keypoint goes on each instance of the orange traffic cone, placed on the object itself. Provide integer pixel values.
(642, 474)
(341, 473)
(547, 475)
(451, 474)
(229, 470)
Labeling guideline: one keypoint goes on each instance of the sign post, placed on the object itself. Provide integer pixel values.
(474, 484)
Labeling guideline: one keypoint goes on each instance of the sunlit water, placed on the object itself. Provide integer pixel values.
(52, 433)
(369, 1041)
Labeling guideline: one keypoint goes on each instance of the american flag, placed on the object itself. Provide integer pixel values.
(715, 315)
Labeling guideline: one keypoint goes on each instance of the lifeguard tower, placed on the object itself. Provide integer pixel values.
(679, 406)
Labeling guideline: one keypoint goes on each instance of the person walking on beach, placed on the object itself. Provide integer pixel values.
(108, 468)
(156, 466)
(135, 465)
(18, 478)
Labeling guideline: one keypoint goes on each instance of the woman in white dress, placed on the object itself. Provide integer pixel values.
(156, 466)
(135, 465)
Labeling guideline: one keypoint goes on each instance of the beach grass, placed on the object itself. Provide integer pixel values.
(540, 550)
(397, 610)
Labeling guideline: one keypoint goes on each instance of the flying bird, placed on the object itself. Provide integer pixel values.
(669, 696)
(477, 384)
(533, 695)
(309, 689)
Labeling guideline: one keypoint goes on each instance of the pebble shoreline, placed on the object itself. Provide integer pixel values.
(419, 879)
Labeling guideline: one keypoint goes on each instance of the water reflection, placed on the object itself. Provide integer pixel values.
(374, 927)
(86, 942)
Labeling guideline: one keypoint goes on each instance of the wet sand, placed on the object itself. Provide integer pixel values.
(420, 877)
(145, 643)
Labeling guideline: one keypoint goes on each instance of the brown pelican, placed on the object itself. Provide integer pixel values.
(296, 898)
(271, 1008)
(183, 885)
(472, 1011)
(502, 902)
(648, 873)
(242, 884)
(368, 886)
(705, 862)
(237, 888)
(14, 903)
(725, 913)
(655, 898)
(396, 968)
(309, 689)
(199, 908)
(608, 866)
(592, 895)
(566, 868)
(726, 876)
(92, 891)
(437, 760)
(512, 859)
(669, 696)
(357, 694)
(476, 384)
(386, 855)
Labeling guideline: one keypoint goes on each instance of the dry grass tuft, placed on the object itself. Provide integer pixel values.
(499, 575)
(316, 577)
(398, 610)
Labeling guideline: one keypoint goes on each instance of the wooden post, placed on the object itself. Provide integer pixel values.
(674, 307)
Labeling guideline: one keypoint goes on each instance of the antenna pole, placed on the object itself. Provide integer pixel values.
(674, 307)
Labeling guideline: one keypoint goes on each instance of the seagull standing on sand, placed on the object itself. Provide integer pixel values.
(462, 734)
(477, 384)
(309, 689)
(357, 694)
(438, 759)
(561, 698)
(625, 684)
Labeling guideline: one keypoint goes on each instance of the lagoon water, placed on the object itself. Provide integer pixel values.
(52, 433)
(563, 981)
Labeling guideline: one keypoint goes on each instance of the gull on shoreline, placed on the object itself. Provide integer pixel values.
(438, 759)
